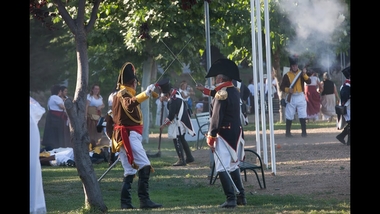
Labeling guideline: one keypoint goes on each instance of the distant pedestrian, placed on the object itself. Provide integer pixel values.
(329, 97)
(313, 99)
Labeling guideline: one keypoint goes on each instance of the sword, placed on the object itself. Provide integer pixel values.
(173, 59)
(109, 168)
(176, 56)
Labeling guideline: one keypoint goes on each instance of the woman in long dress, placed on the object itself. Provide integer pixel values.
(36, 193)
(329, 97)
(94, 108)
(312, 96)
(56, 124)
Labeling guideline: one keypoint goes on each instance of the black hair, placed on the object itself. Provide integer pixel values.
(55, 89)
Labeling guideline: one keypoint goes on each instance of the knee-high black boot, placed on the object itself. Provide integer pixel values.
(343, 134)
(288, 127)
(186, 148)
(348, 133)
(303, 127)
(240, 198)
(143, 189)
(179, 150)
(228, 190)
(126, 198)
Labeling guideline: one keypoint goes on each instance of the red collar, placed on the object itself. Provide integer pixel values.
(225, 84)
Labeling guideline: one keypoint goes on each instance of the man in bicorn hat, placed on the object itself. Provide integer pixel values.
(225, 131)
(345, 100)
(178, 119)
(297, 101)
(125, 128)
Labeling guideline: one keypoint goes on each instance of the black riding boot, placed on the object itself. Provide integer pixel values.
(342, 135)
(186, 148)
(228, 189)
(126, 198)
(179, 150)
(288, 127)
(303, 127)
(240, 198)
(143, 189)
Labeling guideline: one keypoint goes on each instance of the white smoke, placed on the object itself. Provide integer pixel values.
(315, 22)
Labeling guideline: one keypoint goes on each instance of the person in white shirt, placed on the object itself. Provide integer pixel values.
(162, 110)
(94, 108)
(56, 122)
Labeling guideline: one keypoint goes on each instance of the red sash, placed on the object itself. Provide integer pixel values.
(124, 130)
(60, 114)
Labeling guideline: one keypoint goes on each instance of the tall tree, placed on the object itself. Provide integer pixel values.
(80, 20)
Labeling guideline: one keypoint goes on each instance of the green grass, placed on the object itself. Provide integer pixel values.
(180, 190)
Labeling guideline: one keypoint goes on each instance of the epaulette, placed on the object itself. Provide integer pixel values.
(222, 94)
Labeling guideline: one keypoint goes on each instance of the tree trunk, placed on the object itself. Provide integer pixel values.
(78, 129)
(276, 65)
(145, 107)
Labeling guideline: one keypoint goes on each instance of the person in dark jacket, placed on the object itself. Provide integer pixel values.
(345, 100)
(225, 131)
(179, 121)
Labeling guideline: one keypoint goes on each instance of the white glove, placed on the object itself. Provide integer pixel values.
(149, 89)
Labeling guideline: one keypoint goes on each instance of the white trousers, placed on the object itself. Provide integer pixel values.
(139, 154)
(297, 103)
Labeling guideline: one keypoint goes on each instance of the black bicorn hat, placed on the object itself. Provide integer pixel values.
(164, 85)
(346, 72)
(226, 67)
(293, 60)
(127, 73)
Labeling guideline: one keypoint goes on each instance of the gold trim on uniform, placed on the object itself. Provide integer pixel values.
(130, 91)
(222, 94)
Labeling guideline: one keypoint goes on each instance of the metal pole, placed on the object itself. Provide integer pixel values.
(255, 78)
(269, 72)
(262, 91)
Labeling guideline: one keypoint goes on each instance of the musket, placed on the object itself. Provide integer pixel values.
(289, 95)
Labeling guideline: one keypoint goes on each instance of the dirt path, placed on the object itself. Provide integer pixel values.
(317, 165)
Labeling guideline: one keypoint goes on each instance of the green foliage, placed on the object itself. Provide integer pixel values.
(116, 38)
(49, 57)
